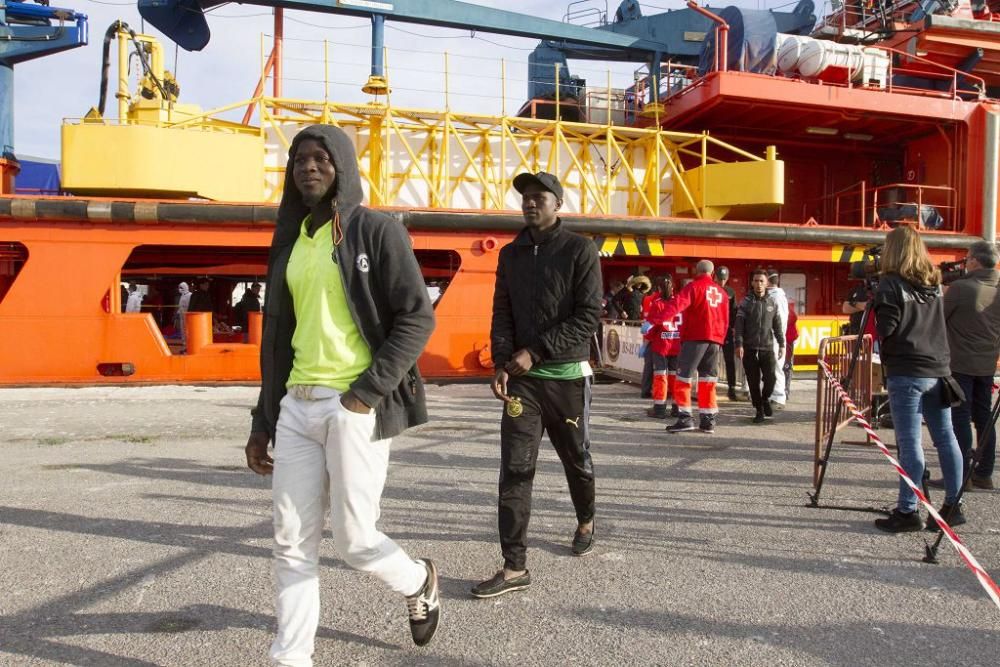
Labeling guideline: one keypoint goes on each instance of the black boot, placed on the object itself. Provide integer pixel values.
(900, 522)
(957, 518)
(707, 423)
(658, 411)
(683, 423)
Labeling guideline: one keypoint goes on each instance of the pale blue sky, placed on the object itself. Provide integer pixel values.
(67, 85)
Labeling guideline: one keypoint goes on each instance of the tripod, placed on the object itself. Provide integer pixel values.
(931, 550)
(846, 384)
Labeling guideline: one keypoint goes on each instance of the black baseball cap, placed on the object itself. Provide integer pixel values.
(542, 179)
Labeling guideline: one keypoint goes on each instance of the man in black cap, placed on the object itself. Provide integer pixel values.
(546, 307)
(721, 278)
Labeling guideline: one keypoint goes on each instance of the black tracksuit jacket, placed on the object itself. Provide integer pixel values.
(758, 323)
(547, 297)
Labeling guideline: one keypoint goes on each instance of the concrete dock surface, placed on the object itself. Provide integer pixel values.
(132, 534)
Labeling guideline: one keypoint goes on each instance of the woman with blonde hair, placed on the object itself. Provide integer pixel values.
(909, 313)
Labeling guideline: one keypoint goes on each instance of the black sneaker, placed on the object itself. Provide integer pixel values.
(957, 519)
(675, 413)
(732, 394)
(683, 423)
(706, 423)
(498, 585)
(900, 522)
(424, 608)
(583, 543)
(658, 411)
(766, 407)
(759, 417)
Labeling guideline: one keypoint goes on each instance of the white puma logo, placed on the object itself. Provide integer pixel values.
(574, 422)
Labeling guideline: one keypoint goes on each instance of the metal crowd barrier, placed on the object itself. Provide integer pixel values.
(830, 416)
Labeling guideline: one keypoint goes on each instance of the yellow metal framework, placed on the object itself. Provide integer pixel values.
(446, 159)
(412, 157)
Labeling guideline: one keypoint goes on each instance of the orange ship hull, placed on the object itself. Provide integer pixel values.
(60, 319)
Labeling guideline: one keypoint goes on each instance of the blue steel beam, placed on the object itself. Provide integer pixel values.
(19, 43)
(183, 20)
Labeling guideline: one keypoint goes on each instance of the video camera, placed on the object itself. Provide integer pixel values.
(869, 266)
(952, 271)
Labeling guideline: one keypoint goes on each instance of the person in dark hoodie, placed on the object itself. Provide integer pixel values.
(758, 327)
(345, 317)
(909, 313)
(546, 305)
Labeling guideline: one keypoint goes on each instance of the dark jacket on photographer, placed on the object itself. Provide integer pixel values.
(758, 323)
(384, 289)
(972, 313)
(911, 327)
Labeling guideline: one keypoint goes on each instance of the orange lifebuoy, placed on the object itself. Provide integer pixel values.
(485, 356)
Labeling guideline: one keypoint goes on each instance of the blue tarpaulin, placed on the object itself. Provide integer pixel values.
(751, 44)
(37, 177)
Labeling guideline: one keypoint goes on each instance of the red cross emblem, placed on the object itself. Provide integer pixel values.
(713, 296)
(674, 324)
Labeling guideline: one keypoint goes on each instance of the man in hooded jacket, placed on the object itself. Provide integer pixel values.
(345, 317)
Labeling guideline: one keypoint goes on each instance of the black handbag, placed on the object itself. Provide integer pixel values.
(951, 392)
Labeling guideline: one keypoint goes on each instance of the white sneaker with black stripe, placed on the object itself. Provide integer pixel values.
(424, 608)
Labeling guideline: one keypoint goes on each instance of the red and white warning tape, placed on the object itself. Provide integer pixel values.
(984, 579)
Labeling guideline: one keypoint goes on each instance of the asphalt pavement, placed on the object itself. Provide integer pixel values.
(132, 534)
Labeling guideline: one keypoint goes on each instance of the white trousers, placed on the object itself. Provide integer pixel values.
(325, 459)
(778, 395)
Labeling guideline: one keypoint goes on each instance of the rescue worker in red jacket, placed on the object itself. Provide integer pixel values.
(705, 310)
(664, 340)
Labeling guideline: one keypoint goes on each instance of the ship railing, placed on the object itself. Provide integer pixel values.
(587, 13)
(928, 69)
(208, 121)
(675, 80)
(860, 20)
(930, 207)
(848, 203)
(960, 85)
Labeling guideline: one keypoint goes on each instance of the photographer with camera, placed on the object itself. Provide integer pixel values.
(910, 319)
(972, 313)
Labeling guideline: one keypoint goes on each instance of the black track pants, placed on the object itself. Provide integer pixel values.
(759, 365)
(560, 408)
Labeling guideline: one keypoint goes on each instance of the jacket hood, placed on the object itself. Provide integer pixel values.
(921, 293)
(347, 192)
(183, 288)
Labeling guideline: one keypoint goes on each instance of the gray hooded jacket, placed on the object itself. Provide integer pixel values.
(385, 293)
